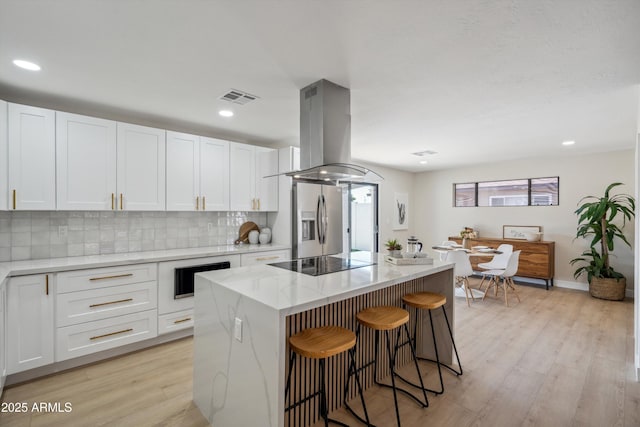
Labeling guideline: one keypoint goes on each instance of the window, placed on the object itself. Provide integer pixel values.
(513, 192)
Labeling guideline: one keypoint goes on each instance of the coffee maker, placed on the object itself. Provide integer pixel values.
(413, 245)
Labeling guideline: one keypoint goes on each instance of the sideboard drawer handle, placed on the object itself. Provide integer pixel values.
(182, 320)
(267, 258)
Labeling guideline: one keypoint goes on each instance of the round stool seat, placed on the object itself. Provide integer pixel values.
(425, 300)
(321, 343)
(383, 318)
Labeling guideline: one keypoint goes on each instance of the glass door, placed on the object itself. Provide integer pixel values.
(362, 228)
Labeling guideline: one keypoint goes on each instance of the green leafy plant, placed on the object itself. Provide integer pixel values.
(595, 221)
(393, 245)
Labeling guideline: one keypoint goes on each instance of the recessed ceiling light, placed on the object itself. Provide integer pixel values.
(226, 113)
(568, 142)
(423, 162)
(296, 176)
(27, 65)
(323, 172)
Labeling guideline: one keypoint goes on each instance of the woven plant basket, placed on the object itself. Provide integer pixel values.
(609, 289)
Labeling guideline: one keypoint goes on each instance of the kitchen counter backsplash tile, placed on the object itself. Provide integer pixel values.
(28, 235)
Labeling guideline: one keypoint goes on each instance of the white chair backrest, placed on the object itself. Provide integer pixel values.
(512, 265)
(462, 264)
(501, 260)
(449, 243)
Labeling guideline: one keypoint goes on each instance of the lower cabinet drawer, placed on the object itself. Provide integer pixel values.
(264, 257)
(175, 321)
(86, 338)
(85, 306)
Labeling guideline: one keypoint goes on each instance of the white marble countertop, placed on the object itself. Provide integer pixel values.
(292, 292)
(51, 265)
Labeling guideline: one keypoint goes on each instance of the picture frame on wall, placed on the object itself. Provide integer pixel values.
(401, 212)
(518, 232)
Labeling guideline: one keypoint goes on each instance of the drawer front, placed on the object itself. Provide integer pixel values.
(85, 306)
(95, 278)
(175, 321)
(86, 338)
(264, 257)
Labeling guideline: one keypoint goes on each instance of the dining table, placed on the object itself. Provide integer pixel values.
(479, 251)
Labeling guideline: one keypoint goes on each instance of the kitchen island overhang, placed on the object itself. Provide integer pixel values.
(239, 367)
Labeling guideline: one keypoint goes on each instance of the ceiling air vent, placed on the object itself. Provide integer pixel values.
(238, 97)
(425, 153)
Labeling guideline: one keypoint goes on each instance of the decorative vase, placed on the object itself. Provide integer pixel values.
(608, 288)
(466, 243)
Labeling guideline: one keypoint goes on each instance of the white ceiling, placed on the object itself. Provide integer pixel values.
(476, 81)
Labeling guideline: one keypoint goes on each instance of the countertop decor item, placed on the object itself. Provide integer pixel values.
(394, 248)
(254, 237)
(595, 221)
(519, 232)
(245, 229)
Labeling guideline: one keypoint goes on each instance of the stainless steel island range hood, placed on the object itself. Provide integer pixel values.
(325, 136)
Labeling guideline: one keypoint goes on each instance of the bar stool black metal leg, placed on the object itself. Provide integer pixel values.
(455, 349)
(292, 361)
(393, 379)
(435, 347)
(323, 396)
(415, 362)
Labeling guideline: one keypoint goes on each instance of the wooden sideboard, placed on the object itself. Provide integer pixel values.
(536, 258)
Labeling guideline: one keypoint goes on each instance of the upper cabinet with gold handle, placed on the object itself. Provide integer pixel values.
(30, 171)
(121, 203)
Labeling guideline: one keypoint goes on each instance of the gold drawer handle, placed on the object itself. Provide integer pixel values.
(110, 302)
(14, 199)
(111, 333)
(182, 320)
(112, 277)
(267, 258)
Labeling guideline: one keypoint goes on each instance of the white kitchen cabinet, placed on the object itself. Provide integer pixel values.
(85, 162)
(4, 165)
(266, 257)
(3, 346)
(30, 320)
(31, 158)
(214, 174)
(140, 168)
(250, 190)
(197, 173)
(183, 171)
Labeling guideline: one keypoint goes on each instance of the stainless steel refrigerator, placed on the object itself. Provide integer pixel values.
(317, 219)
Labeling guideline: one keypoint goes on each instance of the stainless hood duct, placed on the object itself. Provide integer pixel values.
(325, 136)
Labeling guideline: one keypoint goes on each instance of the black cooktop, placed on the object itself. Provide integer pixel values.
(315, 266)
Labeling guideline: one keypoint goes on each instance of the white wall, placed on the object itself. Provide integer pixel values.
(579, 177)
(394, 181)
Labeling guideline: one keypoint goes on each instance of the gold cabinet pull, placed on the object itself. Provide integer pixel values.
(253, 204)
(110, 302)
(14, 199)
(186, 319)
(110, 334)
(121, 201)
(113, 201)
(197, 203)
(267, 258)
(258, 203)
(111, 277)
(46, 283)
(204, 203)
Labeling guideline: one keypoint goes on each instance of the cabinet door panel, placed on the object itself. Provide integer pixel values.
(4, 164)
(266, 188)
(183, 152)
(214, 174)
(30, 316)
(141, 168)
(242, 177)
(86, 162)
(32, 158)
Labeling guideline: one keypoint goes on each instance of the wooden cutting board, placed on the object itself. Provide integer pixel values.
(243, 235)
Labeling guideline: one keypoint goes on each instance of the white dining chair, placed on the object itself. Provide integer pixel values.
(498, 262)
(507, 278)
(443, 254)
(461, 271)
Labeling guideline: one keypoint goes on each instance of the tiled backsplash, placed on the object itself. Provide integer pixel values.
(38, 234)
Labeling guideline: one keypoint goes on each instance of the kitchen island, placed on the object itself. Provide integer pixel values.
(244, 315)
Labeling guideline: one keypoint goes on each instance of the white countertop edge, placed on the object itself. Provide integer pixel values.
(52, 265)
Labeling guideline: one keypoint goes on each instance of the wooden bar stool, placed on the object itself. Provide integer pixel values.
(322, 343)
(431, 301)
(388, 318)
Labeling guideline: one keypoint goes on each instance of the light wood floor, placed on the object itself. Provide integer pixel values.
(559, 358)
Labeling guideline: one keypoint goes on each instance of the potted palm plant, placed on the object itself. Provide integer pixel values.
(595, 221)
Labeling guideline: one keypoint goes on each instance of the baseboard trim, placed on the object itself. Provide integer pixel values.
(579, 286)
